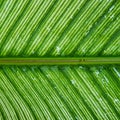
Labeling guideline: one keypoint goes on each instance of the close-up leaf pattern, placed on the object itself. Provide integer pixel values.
(59, 29)
(63, 92)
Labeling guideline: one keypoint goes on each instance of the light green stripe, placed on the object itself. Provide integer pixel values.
(60, 61)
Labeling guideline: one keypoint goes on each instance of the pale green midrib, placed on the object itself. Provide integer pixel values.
(60, 61)
(38, 93)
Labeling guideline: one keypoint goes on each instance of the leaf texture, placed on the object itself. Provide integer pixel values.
(51, 28)
(60, 28)
(63, 92)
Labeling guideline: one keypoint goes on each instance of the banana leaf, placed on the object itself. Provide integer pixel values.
(64, 29)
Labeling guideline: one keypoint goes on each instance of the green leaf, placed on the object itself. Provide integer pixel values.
(60, 29)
